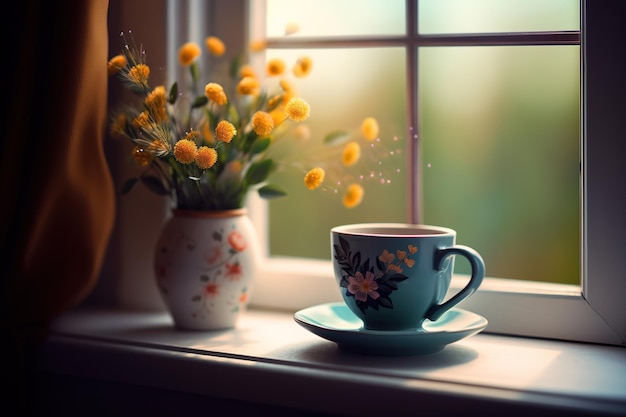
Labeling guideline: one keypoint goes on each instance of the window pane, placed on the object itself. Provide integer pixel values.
(336, 18)
(500, 141)
(476, 16)
(345, 87)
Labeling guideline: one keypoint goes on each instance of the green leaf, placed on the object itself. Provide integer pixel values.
(259, 171)
(154, 184)
(271, 191)
(212, 119)
(234, 67)
(335, 136)
(260, 145)
(199, 102)
(195, 72)
(173, 96)
(233, 115)
(129, 185)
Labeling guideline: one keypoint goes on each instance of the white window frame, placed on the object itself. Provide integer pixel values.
(592, 312)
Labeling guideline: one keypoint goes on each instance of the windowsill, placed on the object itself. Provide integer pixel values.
(271, 360)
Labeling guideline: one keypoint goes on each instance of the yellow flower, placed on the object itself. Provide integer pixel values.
(206, 133)
(185, 151)
(188, 53)
(386, 257)
(206, 157)
(139, 74)
(159, 148)
(303, 67)
(302, 133)
(278, 115)
(353, 196)
(369, 128)
(215, 45)
(274, 101)
(156, 102)
(141, 156)
(231, 170)
(248, 86)
(297, 109)
(192, 135)
(262, 123)
(247, 71)
(314, 178)
(257, 46)
(142, 121)
(215, 93)
(118, 127)
(221, 128)
(275, 66)
(116, 63)
(287, 86)
(351, 153)
(291, 28)
(225, 131)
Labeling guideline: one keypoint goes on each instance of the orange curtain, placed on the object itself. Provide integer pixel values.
(57, 205)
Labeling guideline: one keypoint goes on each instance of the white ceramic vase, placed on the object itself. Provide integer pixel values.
(205, 264)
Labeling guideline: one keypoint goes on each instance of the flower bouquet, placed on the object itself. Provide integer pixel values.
(207, 147)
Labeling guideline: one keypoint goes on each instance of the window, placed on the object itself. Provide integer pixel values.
(517, 307)
(495, 123)
(588, 312)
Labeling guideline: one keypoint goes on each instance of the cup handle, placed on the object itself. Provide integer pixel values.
(478, 273)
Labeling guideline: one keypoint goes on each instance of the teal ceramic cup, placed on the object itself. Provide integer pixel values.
(394, 276)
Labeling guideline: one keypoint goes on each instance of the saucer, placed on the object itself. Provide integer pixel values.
(335, 322)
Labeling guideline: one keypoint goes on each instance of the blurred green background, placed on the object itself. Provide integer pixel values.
(499, 131)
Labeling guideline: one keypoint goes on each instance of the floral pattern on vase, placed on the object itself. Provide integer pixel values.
(204, 266)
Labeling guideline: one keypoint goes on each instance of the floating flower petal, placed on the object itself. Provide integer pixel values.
(369, 128)
(275, 66)
(303, 67)
(351, 153)
(353, 196)
(314, 178)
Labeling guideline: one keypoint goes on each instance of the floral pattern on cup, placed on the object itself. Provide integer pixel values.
(372, 283)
